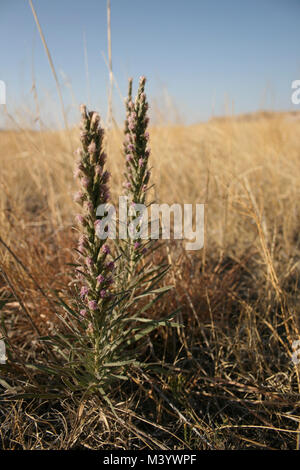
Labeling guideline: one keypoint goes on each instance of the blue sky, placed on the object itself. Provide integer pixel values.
(200, 55)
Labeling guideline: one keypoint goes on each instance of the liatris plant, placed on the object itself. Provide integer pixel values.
(136, 145)
(137, 173)
(95, 271)
(105, 324)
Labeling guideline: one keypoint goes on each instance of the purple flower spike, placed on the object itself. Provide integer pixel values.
(94, 191)
(135, 145)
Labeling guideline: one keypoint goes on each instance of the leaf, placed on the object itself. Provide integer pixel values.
(120, 363)
(6, 385)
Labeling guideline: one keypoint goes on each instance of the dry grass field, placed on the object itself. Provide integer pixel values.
(234, 385)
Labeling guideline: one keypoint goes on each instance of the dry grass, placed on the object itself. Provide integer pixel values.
(235, 384)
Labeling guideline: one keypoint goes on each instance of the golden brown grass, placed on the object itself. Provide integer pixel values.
(239, 296)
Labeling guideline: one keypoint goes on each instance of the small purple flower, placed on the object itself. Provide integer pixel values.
(83, 240)
(129, 157)
(132, 116)
(141, 162)
(98, 170)
(85, 181)
(110, 266)
(89, 262)
(137, 245)
(106, 249)
(78, 197)
(89, 206)
(83, 135)
(100, 279)
(102, 293)
(92, 304)
(95, 120)
(77, 172)
(131, 147)
(84, 292)
(80, 219)
(83, 312)
(92, 147)
(81, 248)
(110, 281)
(78, 152)
(78, 169)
